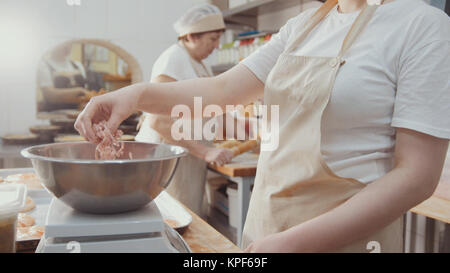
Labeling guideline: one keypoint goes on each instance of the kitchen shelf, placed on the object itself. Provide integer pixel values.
(247, 14)
(246, 8)
(259, 35)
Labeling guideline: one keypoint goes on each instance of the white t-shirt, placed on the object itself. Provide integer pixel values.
(397, 74)
(176, 63)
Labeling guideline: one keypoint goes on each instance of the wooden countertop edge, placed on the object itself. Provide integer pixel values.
(203, 238)
(434, 207)
(243, 165)
(234, 171)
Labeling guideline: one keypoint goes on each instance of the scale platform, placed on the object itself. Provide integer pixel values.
(143, 230)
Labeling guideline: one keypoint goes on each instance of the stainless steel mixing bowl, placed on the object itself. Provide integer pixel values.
(71, 173)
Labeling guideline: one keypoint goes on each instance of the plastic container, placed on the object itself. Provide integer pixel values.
(233, 216)
(12, 200)
(221, 200)
(233, 213)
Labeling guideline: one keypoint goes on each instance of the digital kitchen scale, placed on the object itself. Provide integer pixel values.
(143, 230)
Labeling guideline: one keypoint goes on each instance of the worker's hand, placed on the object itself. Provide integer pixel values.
(79, 92)
(114, 107)
(218, 156)
(73, 95)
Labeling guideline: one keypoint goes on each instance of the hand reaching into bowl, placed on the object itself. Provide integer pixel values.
(113, 107)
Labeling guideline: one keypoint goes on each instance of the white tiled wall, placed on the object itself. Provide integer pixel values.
(28, 28)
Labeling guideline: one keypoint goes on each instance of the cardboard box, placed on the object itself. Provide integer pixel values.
(221, 201)
(216, 193)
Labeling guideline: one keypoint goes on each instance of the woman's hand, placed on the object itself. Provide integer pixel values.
(218, 156)
(64, 95)
(114, 107)
(75, 95)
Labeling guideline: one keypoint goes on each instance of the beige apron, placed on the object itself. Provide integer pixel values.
(293, 183)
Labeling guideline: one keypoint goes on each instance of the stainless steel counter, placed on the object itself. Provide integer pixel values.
(10, 156)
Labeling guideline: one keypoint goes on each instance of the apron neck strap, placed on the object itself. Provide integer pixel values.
(197, 72)
(313, 21)
(361, 21)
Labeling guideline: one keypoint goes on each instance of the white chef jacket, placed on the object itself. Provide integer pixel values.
(188, 182)
(176, 63)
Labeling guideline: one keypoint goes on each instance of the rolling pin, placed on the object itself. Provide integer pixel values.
(228, 144)
(241, 148)
(244, 147)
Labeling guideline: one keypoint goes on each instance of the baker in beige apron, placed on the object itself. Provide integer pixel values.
(190, 175)
(293, 183)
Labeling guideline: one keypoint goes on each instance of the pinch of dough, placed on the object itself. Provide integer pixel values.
(29, 233)
(25, 220)
(29, 205)
(30, 180)
(244, 147)
(228, 144)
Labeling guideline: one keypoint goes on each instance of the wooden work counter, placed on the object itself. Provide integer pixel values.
(203, 238)
(241, 166)
(436, 208)
(199, 235)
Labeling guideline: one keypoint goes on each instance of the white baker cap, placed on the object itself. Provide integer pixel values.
(200, 18)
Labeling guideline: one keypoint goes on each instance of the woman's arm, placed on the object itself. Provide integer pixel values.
(419, 159)
(163, 125)
(236, 86)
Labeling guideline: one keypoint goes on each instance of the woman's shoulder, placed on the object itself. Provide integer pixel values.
(419, 15)
(175, 53)
(419, 8)
(407, 27)
(172, 62)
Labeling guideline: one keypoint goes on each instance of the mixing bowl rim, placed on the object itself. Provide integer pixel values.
(27, 154)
